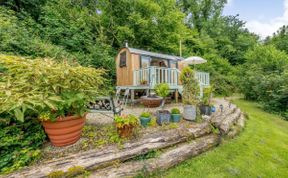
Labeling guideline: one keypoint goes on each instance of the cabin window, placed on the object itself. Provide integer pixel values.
(145, 61)
(159, 62)
(123, 58)
(173, 65)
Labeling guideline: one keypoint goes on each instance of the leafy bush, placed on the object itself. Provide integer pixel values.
(175, 111)
(145, 114)
(207, 94)
(162, 89)
(190, 86)
(123, 120)
(20, 143)
(264, 78)
(44, 86)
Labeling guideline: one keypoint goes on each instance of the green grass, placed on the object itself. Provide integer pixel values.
(261, 150)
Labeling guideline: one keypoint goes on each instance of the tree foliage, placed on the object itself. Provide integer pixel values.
(264, 78)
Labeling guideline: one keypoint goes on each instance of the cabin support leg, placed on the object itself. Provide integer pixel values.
(176, 95)
(132, 96)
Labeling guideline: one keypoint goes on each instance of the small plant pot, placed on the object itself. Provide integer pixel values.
(213, 109)
(189, 112)
(64, 131)
(126, 131)
(145, 121)
(163, 117)
(175, 117)
(205, 110)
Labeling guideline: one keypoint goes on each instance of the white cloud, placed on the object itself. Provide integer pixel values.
(229, 2)
(265, 29)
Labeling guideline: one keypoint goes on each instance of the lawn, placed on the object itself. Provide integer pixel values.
(261, 150)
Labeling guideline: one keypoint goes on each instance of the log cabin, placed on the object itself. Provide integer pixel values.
(138, 70)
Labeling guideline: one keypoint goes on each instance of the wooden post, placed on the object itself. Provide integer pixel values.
(176, 95)
(132, 95)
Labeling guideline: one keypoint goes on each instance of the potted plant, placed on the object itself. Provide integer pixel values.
(57, 93)
(190, 93)
(175, 115)
(125, 125)
(163, 116)
(205, 108)
(145, 119)
(143, 82)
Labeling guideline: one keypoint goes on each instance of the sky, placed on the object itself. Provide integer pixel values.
(263, 17)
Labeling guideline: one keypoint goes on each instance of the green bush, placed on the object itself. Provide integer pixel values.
(207, 95)
(20, 143)
(190, 86)
(145, 114)
(264, 78)
(175, 111)
(162, 89)
(46, 87)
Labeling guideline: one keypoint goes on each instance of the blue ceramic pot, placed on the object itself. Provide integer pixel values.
(145, 121)
(175, 117)
(163, 117)
(213, 109)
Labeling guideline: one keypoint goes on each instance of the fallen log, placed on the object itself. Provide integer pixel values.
(220, 116)
(166, 160)
(237, 127)
(97, 158)
(228, 122)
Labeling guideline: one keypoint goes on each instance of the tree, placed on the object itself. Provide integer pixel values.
(279, 39)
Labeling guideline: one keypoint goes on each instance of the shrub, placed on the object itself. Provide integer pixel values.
(20, 143)
(123, 120)
(162, 89)
(207, 94)
(145, 114)
(190, 86)
(264, 78)
(45, 86)
(175, 111)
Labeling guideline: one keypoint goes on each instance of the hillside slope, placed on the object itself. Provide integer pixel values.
(261, 150)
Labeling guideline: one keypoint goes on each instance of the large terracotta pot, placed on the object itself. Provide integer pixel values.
(65, 130)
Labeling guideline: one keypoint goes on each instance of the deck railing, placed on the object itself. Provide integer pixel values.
(154, 75)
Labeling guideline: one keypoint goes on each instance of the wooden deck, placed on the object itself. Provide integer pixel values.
(148, 78)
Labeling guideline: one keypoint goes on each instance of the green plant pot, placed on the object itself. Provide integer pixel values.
(175, 117)
(145, 121)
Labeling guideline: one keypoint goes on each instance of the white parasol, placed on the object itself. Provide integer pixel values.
(194, 60)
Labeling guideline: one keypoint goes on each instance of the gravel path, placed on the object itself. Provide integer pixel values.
(100, 119)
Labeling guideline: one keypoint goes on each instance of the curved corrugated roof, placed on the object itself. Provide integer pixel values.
(153, 54)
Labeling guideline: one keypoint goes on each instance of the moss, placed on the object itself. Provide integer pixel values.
(71, 172)
(75, 170)
(56, 174)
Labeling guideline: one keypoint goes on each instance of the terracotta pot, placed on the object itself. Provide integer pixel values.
(151, 102)
(126, 131)
(65, 130)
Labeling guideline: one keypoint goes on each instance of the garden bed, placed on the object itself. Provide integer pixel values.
(100, 147)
